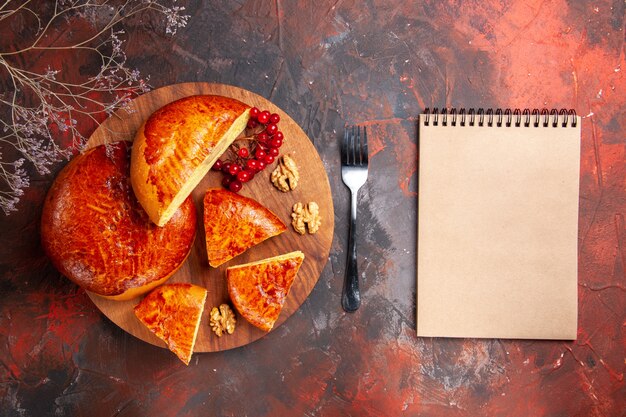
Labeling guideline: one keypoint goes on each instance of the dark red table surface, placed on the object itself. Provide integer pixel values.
(327, 64)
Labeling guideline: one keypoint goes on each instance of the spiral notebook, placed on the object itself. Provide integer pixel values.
(498, 224)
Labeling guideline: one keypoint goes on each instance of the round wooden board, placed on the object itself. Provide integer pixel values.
(313, 186)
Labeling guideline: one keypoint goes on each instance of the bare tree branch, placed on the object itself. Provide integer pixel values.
(38, 104)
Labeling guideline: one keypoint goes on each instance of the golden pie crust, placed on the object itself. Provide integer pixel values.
(173, 312)
(259, 289)
(234, 223)
(97, 234)
(175, 148)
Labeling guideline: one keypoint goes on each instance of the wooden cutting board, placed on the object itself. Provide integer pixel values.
(313, 186)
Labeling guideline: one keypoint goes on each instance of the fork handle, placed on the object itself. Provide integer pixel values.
(351, 298)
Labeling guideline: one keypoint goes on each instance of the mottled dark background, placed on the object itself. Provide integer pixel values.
(328, 63)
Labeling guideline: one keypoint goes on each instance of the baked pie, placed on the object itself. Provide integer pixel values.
(259, 289)
(175, 148)
(234, 223)
(173, 312)
(96, 233)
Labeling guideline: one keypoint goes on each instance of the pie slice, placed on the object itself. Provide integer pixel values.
(172, 312)
(258, 289)
(234, 223)
(175, 148)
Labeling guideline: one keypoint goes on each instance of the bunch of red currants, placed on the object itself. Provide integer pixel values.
(252, 153)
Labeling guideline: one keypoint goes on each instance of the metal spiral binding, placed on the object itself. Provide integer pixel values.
(500, 117)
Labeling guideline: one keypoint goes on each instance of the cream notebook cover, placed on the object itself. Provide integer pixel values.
(498, 224)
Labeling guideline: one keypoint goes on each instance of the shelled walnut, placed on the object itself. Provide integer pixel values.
(306, 215)
(222, 320)
(285, 177)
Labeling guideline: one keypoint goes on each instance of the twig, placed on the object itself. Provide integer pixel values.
(41, 103)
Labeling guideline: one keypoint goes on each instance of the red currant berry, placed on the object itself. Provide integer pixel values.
(274, 152)
(252, 124)
(271, 129)
(279, 135)
(226, 167)
(250, 174)
(234, 169)
(276, 143)
(252, 164)
(226, 181)
(274, 118)
(254, 112)
(260, 165)
(262, 137)
(243, 152)
(235, 186)
(243, 176)
(259, 154)
(217, 166)
(269, 159)
(263, 117)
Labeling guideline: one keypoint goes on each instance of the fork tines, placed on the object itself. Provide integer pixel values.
(354, 150)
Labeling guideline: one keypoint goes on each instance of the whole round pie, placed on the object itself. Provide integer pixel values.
(97, 234)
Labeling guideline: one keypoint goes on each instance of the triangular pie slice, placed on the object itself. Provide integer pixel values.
(172, 312)
(234, 223)
(258, 289)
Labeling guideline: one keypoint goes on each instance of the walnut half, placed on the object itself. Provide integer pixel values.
(222, 320)
(306, 215)
(285, 177)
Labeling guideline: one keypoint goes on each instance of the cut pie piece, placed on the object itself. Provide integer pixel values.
(175, 148)
(234, 223)
(172, 312)
(258, 289)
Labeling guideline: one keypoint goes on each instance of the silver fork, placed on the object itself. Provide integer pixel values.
(354, 159)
